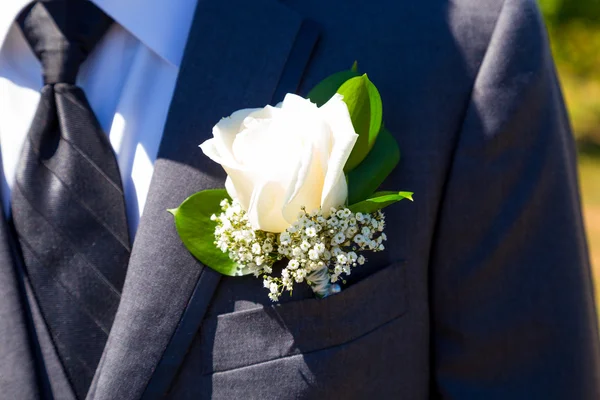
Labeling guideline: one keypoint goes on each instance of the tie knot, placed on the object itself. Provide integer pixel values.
(62, 33)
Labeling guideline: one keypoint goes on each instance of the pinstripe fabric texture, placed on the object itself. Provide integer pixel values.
(68, 205)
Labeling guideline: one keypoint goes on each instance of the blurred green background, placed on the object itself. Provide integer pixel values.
(574, 29)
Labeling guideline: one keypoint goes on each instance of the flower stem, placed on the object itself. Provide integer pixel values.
(321, 284)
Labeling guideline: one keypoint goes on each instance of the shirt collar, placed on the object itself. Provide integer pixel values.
(8, 13)
(162, 25)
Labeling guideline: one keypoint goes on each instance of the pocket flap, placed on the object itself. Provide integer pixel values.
(249, 337)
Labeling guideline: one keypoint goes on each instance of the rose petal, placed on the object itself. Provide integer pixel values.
(264, 212)
(226, 130)
(307, 185)
(335, 190)
(239, 183)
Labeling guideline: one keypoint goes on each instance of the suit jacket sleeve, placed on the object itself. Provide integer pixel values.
(512, 300)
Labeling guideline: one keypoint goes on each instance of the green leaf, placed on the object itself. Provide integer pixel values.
(354, 67)
(366, 178)
(379, 200)
(197, 231)
(325, 90)
(366, 111)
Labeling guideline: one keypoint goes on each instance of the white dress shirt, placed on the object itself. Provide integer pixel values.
(128, 79)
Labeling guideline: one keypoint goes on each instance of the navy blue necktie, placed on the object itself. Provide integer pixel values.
(67, 204)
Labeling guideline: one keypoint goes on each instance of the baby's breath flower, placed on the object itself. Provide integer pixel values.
(352, 257)
(285, 238)
(296, 251)
(313, 254)
(339, 238)
(267, 247)
(359, 239)
(320, 247)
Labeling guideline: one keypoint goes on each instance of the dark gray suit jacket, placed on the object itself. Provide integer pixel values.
(484, 291)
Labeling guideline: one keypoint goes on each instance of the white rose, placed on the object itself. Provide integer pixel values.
(279, 159)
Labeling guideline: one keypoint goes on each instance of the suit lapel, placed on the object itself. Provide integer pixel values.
(239, 54)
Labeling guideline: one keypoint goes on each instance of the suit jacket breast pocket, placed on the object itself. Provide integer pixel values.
(320, 338)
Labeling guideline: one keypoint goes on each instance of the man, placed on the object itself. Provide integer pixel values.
(484, 292)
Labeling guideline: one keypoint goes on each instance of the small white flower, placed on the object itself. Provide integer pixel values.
(359, 217)
(342, 259)
(327, 255)
(273, 287)
(336, 251)
(365, 231)
(381, 247)
(293, 264)
(312, 266)
(259, 260)
(352, 257)
(229, 212)
(305, 246)
(384, 237)
(313, 254)
(340, 213)
(351, 231)
(361, 260)
(319, 247)
(359, 239)
(266, 283)
(256, 248)
(285, 238)
(339, 238)
(267, 248)
(311, 231)
(296, 251)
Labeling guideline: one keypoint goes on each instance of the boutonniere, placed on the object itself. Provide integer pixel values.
(302, 181)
